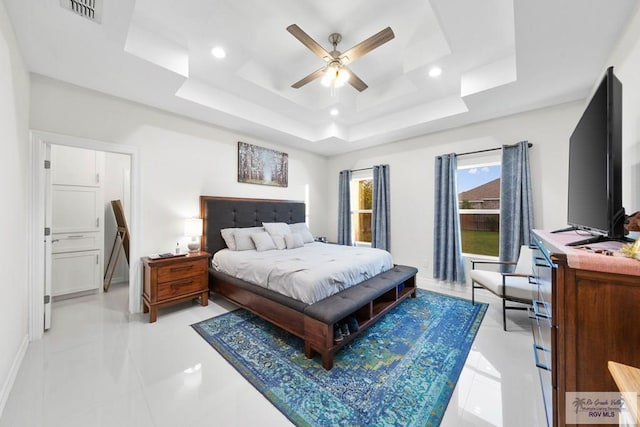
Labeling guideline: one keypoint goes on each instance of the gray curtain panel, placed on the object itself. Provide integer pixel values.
(448, 263)
(344, 208)
(516, 202)
(380, 221)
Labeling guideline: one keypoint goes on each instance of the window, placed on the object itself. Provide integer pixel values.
(479, 205)
(361, 209)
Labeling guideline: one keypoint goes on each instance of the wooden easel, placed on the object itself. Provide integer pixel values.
(123, 233)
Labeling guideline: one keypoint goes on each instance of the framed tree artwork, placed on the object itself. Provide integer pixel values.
(258, 165)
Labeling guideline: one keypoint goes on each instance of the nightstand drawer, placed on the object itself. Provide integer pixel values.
(180, 287)
(181, 270)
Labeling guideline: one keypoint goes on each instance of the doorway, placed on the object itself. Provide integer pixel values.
(41, 247)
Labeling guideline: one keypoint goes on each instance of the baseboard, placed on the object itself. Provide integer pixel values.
(13, 373)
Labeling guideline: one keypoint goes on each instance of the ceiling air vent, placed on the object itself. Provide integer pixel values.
(90, 9)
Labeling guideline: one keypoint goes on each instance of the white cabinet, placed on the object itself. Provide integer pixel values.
(76, 166)
(77, 217)
(76, 209)
(75, 272)
(74, 242)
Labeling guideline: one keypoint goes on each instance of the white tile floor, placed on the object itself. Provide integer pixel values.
(99, 366)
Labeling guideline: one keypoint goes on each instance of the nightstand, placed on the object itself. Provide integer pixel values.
(171, 280)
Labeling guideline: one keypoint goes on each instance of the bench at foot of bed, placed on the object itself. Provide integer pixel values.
(366, 302)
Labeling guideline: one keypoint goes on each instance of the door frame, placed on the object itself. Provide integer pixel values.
(39, 139)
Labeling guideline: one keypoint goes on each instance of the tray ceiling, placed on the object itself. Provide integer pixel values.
(497, 57)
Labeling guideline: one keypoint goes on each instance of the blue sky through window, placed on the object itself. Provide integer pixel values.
(472, 177)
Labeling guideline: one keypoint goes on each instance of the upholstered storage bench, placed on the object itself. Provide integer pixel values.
(313, 323)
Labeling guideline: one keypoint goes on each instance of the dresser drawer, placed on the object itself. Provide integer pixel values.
(542, 271)
(180, 287)
(181, 270)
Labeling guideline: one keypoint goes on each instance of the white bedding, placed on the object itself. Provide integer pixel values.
(308, 274)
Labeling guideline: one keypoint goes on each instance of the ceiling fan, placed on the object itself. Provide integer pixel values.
(335, 71)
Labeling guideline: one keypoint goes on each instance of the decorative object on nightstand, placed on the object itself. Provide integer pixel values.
(172, 279)
(193, 229)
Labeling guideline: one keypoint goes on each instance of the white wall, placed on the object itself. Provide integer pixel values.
(412, 169)
(14, 115)
(626, 61)
(180, 158)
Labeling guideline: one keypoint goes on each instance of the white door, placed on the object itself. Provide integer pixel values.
(47, 237)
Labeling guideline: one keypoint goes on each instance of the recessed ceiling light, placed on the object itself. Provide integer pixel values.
(435, 72)
(334, 112)
(218, 52)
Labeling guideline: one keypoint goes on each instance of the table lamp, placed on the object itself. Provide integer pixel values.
(193, 229)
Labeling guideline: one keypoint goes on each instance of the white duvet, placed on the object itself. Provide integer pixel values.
(308, 274)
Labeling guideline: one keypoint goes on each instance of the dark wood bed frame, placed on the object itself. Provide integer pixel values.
(313, 323)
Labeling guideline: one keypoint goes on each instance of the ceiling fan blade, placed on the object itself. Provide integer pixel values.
(356, 81)
(310, 43)
(368, 45)
(317, 73)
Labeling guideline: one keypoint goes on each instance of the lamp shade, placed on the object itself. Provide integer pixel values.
(193, 227)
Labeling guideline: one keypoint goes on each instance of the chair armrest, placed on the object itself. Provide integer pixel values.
(477, 261)
(505, 275)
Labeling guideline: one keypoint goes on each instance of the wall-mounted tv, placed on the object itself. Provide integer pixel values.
(595, 166)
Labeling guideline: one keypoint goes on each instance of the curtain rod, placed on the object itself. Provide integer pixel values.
(363, 169)
(486, 150)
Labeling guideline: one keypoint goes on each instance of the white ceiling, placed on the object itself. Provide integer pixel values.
(498, 57)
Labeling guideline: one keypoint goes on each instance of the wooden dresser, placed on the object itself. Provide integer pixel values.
(587, 312)
(171, 280)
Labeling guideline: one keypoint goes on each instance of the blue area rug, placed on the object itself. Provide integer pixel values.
(400, 371)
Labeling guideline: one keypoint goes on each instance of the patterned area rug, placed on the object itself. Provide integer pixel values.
(400, 371)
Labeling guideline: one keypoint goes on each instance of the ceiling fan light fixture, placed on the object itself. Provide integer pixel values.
(327, 79)
(342, 76)
(335, 75)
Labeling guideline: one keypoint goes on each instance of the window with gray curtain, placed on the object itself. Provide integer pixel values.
(516, 201)
(344, 208)
(380, 221)
(448, 263)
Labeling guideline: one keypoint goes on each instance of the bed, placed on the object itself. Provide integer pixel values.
(312, 321)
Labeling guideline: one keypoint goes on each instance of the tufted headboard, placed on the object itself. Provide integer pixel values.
(227, 212)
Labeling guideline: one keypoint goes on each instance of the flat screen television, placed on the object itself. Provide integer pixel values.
(595, 166)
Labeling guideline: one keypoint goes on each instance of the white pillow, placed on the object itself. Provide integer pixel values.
(293, 240)
(302, 229)
(227, 235)
(263, 241)
(242, 237)
(277, 230)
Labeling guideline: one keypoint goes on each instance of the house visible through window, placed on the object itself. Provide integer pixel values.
(361, 209)
(479, 205)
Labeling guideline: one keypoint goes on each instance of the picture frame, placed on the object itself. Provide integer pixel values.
(262, 166)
